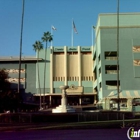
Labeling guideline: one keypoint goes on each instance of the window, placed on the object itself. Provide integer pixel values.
(71, 53)
(136, 62)
(99, 59)
(58, 53)
(99, 71)
(15, 70)
(136, 102)
(82, 78)
(112, 84)
(111, 69)
(85, 53)
(110, 55)
(77, 78)
(72, 78)
(136, 49)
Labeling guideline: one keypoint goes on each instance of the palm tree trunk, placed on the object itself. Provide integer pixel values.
(38, 77)
(45, 73)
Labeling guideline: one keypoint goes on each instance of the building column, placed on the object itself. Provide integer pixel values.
(51, 70)
(107, 104)
(65, 65)
(80, 100)
(95, 101)
(50, 100)
(79, 65)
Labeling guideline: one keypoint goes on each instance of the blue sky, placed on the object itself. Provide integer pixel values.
(41, 14)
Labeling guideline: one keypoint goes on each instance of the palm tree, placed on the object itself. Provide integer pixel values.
(47, 37)
(38, 46)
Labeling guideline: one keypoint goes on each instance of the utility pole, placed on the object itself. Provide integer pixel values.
(20, 54)
(118, 83)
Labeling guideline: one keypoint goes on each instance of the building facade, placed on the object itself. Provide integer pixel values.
(105, 55)
(90, 72)
(70, 66)
(27, 78)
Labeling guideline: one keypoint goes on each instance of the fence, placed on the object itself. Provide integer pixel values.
(41, 117)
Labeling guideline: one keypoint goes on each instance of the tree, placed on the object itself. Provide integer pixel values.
(38, 46)
(4, 84)
(9, 99)
(47, 37)
(4, 89)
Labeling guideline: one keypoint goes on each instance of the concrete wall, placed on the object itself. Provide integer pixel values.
(30, 78)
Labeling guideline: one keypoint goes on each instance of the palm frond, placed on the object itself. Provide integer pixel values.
(47, 37)
(37, 46)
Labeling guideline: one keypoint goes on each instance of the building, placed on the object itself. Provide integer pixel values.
(90, 72)
(28, 74)
(70, 66)
(105, 56)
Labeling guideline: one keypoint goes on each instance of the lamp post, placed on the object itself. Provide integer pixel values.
(118, 55)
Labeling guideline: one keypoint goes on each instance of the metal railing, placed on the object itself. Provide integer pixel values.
(83, 116)
(111, 58)
(111, 71)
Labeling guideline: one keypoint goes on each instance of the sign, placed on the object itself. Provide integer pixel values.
(85, 49)
(58, 49)
(131, 133)
(72, 49)
(75, 89)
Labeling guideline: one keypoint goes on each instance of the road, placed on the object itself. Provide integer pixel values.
(87, 134)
